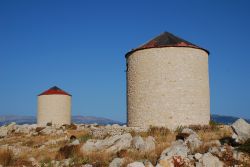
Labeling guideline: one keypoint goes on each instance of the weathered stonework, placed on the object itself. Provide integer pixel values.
(168, 87)
(54, 108)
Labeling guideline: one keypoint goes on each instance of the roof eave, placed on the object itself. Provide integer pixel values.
(134, 50)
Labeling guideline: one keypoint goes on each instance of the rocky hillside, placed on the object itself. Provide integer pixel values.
(93, 145)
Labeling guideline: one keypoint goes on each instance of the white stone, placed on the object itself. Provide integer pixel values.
(177, 148)
(197, 156)
(87, 165)
(213, 150)
(208, 160)
(188, 131)
(242, 129)
(136, 164)
(116, 162)
(137, 142)
(193, 142)
(110, 144)
(75, 142)
(147, 163)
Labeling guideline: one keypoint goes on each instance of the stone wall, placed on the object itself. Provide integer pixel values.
(54, 108)
(168, 87)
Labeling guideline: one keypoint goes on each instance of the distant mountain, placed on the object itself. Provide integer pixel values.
(18, 119)
(99, 120)
(76, 119)
(92, 119)
(225, 119)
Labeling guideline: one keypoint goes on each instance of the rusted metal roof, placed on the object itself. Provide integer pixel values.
(54, 91)
(166, 39)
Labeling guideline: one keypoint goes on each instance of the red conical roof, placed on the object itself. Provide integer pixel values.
(54, 91)
(166, 39)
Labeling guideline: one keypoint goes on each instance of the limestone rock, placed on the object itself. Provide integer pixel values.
(102, 132)
(141, 145)
(188, 131)
(213, 150)
(117, 162)
(48, 130)
(193, 142)
(109, 144)
(242, 129)
(208, 160)
(192, 139)
(137, 142)
(178, 148)
(197, 156)
(75, 142)
(87, 165)
(147, 163)
(136, 164)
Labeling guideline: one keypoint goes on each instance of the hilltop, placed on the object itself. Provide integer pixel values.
(93, 145)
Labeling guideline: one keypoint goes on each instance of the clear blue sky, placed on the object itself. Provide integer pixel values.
(80, 47)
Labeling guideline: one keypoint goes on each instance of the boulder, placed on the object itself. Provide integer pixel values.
(242, 130)
(137, 142)
(178, 148)
(136, 164)
(117, 162)
(191, 139)
(208, 160)
(109, 144)
(188, 131)
(141, 145)
(48, 130)
(147, 163)
(102, 132)
(193, 142)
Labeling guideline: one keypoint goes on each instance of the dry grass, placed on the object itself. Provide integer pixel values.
(208, 134)
(163, 136)
(6, 157)
(97, 159)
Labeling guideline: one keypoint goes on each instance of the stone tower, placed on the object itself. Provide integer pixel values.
(54, 106)
(167, 84)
